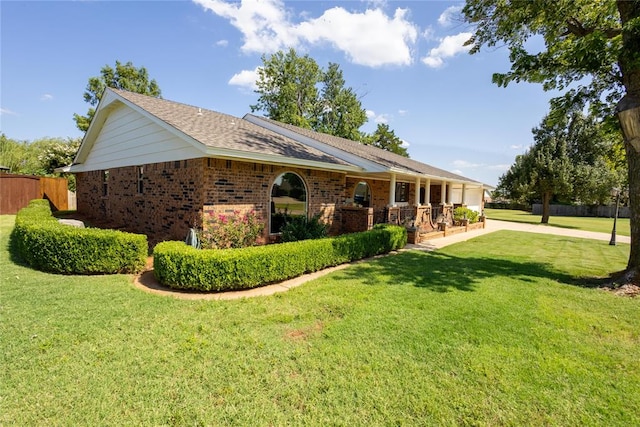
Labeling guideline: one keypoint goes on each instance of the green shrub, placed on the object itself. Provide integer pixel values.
(184, 267)
(302, 228)
(47, 245)
(461, 213)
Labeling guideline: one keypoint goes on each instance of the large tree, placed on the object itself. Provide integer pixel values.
(287, 88)
(386, 139)
(568, 162)
(294, 89)
(123, 76)
(591, 51)
(338, 111)
(543, 172)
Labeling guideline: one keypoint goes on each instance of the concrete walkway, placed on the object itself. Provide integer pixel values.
(495, 225)
(147, 281)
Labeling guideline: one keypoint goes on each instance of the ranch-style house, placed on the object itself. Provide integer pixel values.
(155, 166)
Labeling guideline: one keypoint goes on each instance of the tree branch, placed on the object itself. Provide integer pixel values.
(575, 27)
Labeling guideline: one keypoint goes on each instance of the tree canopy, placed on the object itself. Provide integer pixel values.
(589, 50)
(294, 89)
(570, 161)
(40, 157)
(386, 139)
(123, 76)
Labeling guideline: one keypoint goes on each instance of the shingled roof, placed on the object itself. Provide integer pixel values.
(261, 138)
(219, 130)
(374, 154)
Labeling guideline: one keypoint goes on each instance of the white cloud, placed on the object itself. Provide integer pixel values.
(429, 33)
(449, 47)
(371, 38)
(463, 164)
(446, 18)
(457, 172)
(46, 97)
(7, 112)
(222, 43)
(377, 118)
(403, 112)
(405, 143)
(245, 78)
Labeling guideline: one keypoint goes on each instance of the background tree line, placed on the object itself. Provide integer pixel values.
(575, 159)
(39, 157)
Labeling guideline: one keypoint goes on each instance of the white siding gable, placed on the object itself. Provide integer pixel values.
(128, 138)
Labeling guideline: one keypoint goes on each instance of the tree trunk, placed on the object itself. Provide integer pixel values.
(633, 159)
(546, 201)
(630, 69)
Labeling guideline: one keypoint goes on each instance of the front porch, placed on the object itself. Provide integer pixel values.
(423, 222)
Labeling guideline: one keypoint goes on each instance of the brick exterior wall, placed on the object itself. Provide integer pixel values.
(169, 204)
(235, 185)
(379, 191)
(175, 194)
(356, 219)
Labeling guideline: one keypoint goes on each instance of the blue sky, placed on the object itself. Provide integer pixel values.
(405, 60)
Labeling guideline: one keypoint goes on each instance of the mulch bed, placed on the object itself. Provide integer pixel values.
(626, 285)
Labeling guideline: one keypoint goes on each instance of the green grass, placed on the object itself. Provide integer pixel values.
(498, 330)
(601, 225)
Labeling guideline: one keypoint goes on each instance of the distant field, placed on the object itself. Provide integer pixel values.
(601, 225)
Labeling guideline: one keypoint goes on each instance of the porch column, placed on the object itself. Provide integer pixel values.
(443, 193)
(392, 190)
(427, 192)
(464, 194)
(417, 195)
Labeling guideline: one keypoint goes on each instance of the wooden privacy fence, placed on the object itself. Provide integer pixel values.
(16, 191)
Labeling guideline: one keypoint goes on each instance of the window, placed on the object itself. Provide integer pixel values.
(140, 170)
(105, 183)
(362, 194)
(402, 191)
(288, 199)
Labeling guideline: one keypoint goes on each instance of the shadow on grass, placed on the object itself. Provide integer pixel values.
(439, 272)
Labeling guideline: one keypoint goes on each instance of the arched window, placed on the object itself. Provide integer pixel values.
(288, 199)
(362, 194)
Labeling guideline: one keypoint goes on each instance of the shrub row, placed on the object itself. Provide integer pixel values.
(47, 245)
(182, 266)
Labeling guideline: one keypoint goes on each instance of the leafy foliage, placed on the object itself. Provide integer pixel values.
(124, 76)
(231, 231)
(386, 139)
(591, 52)
(299, 227)
(47, 245)
(461, 213)
(296, 90)
(40, 157)
(571, 161)
(183, 267)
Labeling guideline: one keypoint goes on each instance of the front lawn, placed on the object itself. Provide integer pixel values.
(600, 225)
(500, 330)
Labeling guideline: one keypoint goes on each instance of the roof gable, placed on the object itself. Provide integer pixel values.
(199, 132)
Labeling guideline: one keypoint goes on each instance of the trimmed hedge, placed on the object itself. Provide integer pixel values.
(47, 245)
(181, 266)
